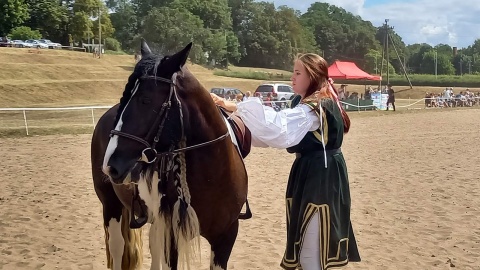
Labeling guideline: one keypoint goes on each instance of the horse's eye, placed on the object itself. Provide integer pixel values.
(146, 100)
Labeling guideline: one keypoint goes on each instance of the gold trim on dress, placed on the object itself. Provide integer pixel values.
(324, 241)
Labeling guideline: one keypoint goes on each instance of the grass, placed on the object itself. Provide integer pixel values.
(254, 75)
(60, 78)
(441, 80)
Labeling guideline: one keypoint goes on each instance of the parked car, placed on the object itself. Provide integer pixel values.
(5, 42)
(20, 44)
(278, 92)
(36, 44)
(50, 44)
(225, 92)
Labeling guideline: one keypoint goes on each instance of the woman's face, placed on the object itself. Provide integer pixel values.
(300, 79)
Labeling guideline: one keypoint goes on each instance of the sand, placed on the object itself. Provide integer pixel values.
(415, 193)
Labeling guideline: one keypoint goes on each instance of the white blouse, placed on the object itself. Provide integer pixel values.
(277, 129)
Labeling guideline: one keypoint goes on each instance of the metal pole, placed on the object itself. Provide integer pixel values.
(93, 119)
(25, 120)
(436, 64)
(386, 51)
(99, 33)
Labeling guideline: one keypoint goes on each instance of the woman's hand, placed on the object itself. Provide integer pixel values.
(229, 105)
(218, 100)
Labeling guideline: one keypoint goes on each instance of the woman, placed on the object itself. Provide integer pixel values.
(319, 231)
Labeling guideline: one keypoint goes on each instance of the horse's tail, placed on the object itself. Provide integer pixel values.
(133, 248)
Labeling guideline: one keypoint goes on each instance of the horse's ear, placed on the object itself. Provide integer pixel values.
(182, 56)
(145, 50)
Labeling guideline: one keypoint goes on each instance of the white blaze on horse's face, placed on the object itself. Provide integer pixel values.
(113, 143)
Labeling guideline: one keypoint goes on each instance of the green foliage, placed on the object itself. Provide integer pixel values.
(244, 32)
(13, 14)
(169, 29)
(112, 44)
(254, 75)
(81, 26)
(48, 17)
(440, 81)
(24, 33)
(120, 52)
(125, 22)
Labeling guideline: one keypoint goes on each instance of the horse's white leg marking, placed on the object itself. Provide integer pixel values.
(116, 242)
(213, 266)
(155, 248)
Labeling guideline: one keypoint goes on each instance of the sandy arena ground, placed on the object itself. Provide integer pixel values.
(415, 190)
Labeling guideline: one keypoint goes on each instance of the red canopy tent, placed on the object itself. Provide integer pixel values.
(349, 71)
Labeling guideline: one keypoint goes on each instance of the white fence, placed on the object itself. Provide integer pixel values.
(24, 111)
(400, 103)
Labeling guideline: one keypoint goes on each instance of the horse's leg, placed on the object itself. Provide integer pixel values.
(173, 264)
(124, 246)
(222, 248)
(155, 247)
(112, 216)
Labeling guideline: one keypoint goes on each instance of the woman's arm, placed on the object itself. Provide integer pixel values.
(229, 105)
(281, 129)
(274, 129)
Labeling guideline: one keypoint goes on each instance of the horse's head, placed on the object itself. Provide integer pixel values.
(149, 118)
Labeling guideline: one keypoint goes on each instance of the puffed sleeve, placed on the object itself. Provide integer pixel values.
(281, 129)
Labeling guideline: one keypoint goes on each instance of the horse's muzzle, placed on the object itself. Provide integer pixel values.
(117, 177)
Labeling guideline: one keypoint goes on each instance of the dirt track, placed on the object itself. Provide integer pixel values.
(415, 196)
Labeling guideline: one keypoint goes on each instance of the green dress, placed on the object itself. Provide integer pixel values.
(313, 188)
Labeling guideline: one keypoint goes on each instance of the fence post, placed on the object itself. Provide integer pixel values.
(358, 105)
(25, 120)
(93, 120)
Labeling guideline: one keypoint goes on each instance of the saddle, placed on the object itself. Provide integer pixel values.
(242, 133)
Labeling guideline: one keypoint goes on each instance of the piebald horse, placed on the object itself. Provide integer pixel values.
(164, 155)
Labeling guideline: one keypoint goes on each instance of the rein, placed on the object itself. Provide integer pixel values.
(150, 154)
(153, 155)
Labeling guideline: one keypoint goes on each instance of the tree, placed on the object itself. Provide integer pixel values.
(81, 26)
(416, 59)
(24, 33)
(107, 27)
(340, 34)
(233, 54)
(125, 21)
(460, 63)
(13, 14)
(168, 30)
(47, 16)
(215, 14)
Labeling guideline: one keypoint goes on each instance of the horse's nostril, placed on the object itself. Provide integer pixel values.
(113, 172)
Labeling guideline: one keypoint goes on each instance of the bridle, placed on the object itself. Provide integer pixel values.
(150, 154)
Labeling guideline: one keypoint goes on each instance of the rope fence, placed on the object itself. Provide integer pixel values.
(73, 116)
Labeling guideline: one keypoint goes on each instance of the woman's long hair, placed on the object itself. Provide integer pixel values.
(320, 84)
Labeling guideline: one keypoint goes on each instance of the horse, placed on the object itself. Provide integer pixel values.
(165, 155)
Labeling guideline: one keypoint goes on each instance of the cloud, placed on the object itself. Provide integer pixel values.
(416, 21)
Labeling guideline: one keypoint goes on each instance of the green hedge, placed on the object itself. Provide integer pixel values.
(424, 80)
(397, 80)
(258, 75)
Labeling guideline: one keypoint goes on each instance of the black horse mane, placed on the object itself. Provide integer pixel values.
(146, 66)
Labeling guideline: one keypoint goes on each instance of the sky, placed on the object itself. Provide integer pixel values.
(452, 22)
